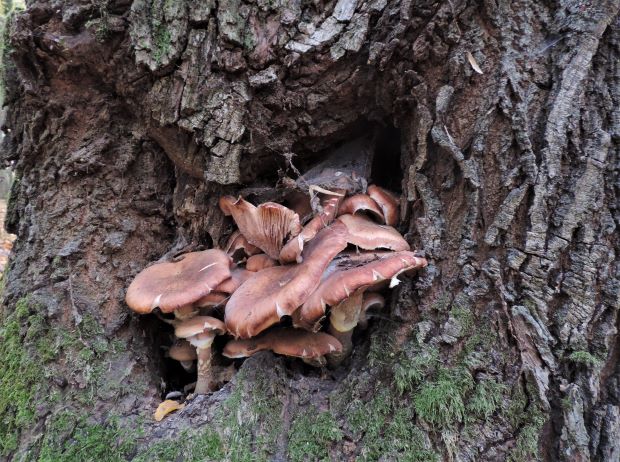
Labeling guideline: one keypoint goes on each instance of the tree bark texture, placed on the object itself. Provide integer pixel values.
(127, 120)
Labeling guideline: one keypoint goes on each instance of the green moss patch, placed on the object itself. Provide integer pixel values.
(311, 435)
(198, 446)
(21, 378)
(70, 438)
(386, 429)
(250, 419)
(36, 357)
(586, 358)
(441, 402)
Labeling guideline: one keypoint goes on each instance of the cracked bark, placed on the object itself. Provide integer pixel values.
(127, 121)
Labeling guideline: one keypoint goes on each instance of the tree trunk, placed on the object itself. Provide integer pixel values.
(497, 121)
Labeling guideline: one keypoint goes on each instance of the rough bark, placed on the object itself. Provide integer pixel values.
(126, 121)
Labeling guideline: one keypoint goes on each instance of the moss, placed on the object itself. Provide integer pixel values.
(205, 446)
(441, 402)
(584, 357)
(311, 434)
(7, 8)
(409, 371)
(442, 302)
(189, 447)
(526, 447)
(382, 349)
(32, 352)
(71, 438)
(253, 436)
(386, 430)
(485, 400)
(21, 378)
(163, 42)
(527, 419)
(464, 317)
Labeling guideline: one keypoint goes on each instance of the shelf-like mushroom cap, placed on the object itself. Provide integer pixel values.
(361, 203)
(266, 226)
(388, 202)
(258, 262)
(372, 301)
(368, 235)
(198, 325)
(345, 315)
(173, 285)
(292, 250)
(237, 277)
(278, 291)
(239, 248)
(287, 341)
(212, 299)
(182, 351)
(341, 284)
(200, 330)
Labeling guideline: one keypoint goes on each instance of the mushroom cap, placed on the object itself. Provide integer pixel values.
(212, 299)
(266, 226)
(237, 277)
(199, 325)
(236, 243)
(292, 250)
(299, 202)
(182, 351)
(388, 202)
(172, 285)
(369, 235)
(342, 283)
(371, 301)
(346, 314)
(278, 291)
(361, 203)
(258, 262)
(286, 341)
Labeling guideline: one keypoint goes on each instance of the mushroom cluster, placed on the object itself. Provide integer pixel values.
(296, 281)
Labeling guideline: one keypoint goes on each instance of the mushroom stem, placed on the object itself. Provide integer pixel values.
(335, 359)
(185, 312)
(204, 383)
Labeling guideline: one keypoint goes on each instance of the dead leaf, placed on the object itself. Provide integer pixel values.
(166, 408)
(474, 63)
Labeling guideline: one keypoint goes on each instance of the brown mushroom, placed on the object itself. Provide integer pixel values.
(342, 283)
(237, 277)
(342, 320)
(299, 202)
(369, 235)
(266, 226)
(175, 285)
(309, 346)
(388, 202)
(275, 292)
(239, 248)
(185, 312)
(371, 302)
(258, 262)
(214, 299)
(293, 249)
(361, 203)
(185, 353)
(200, 331)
